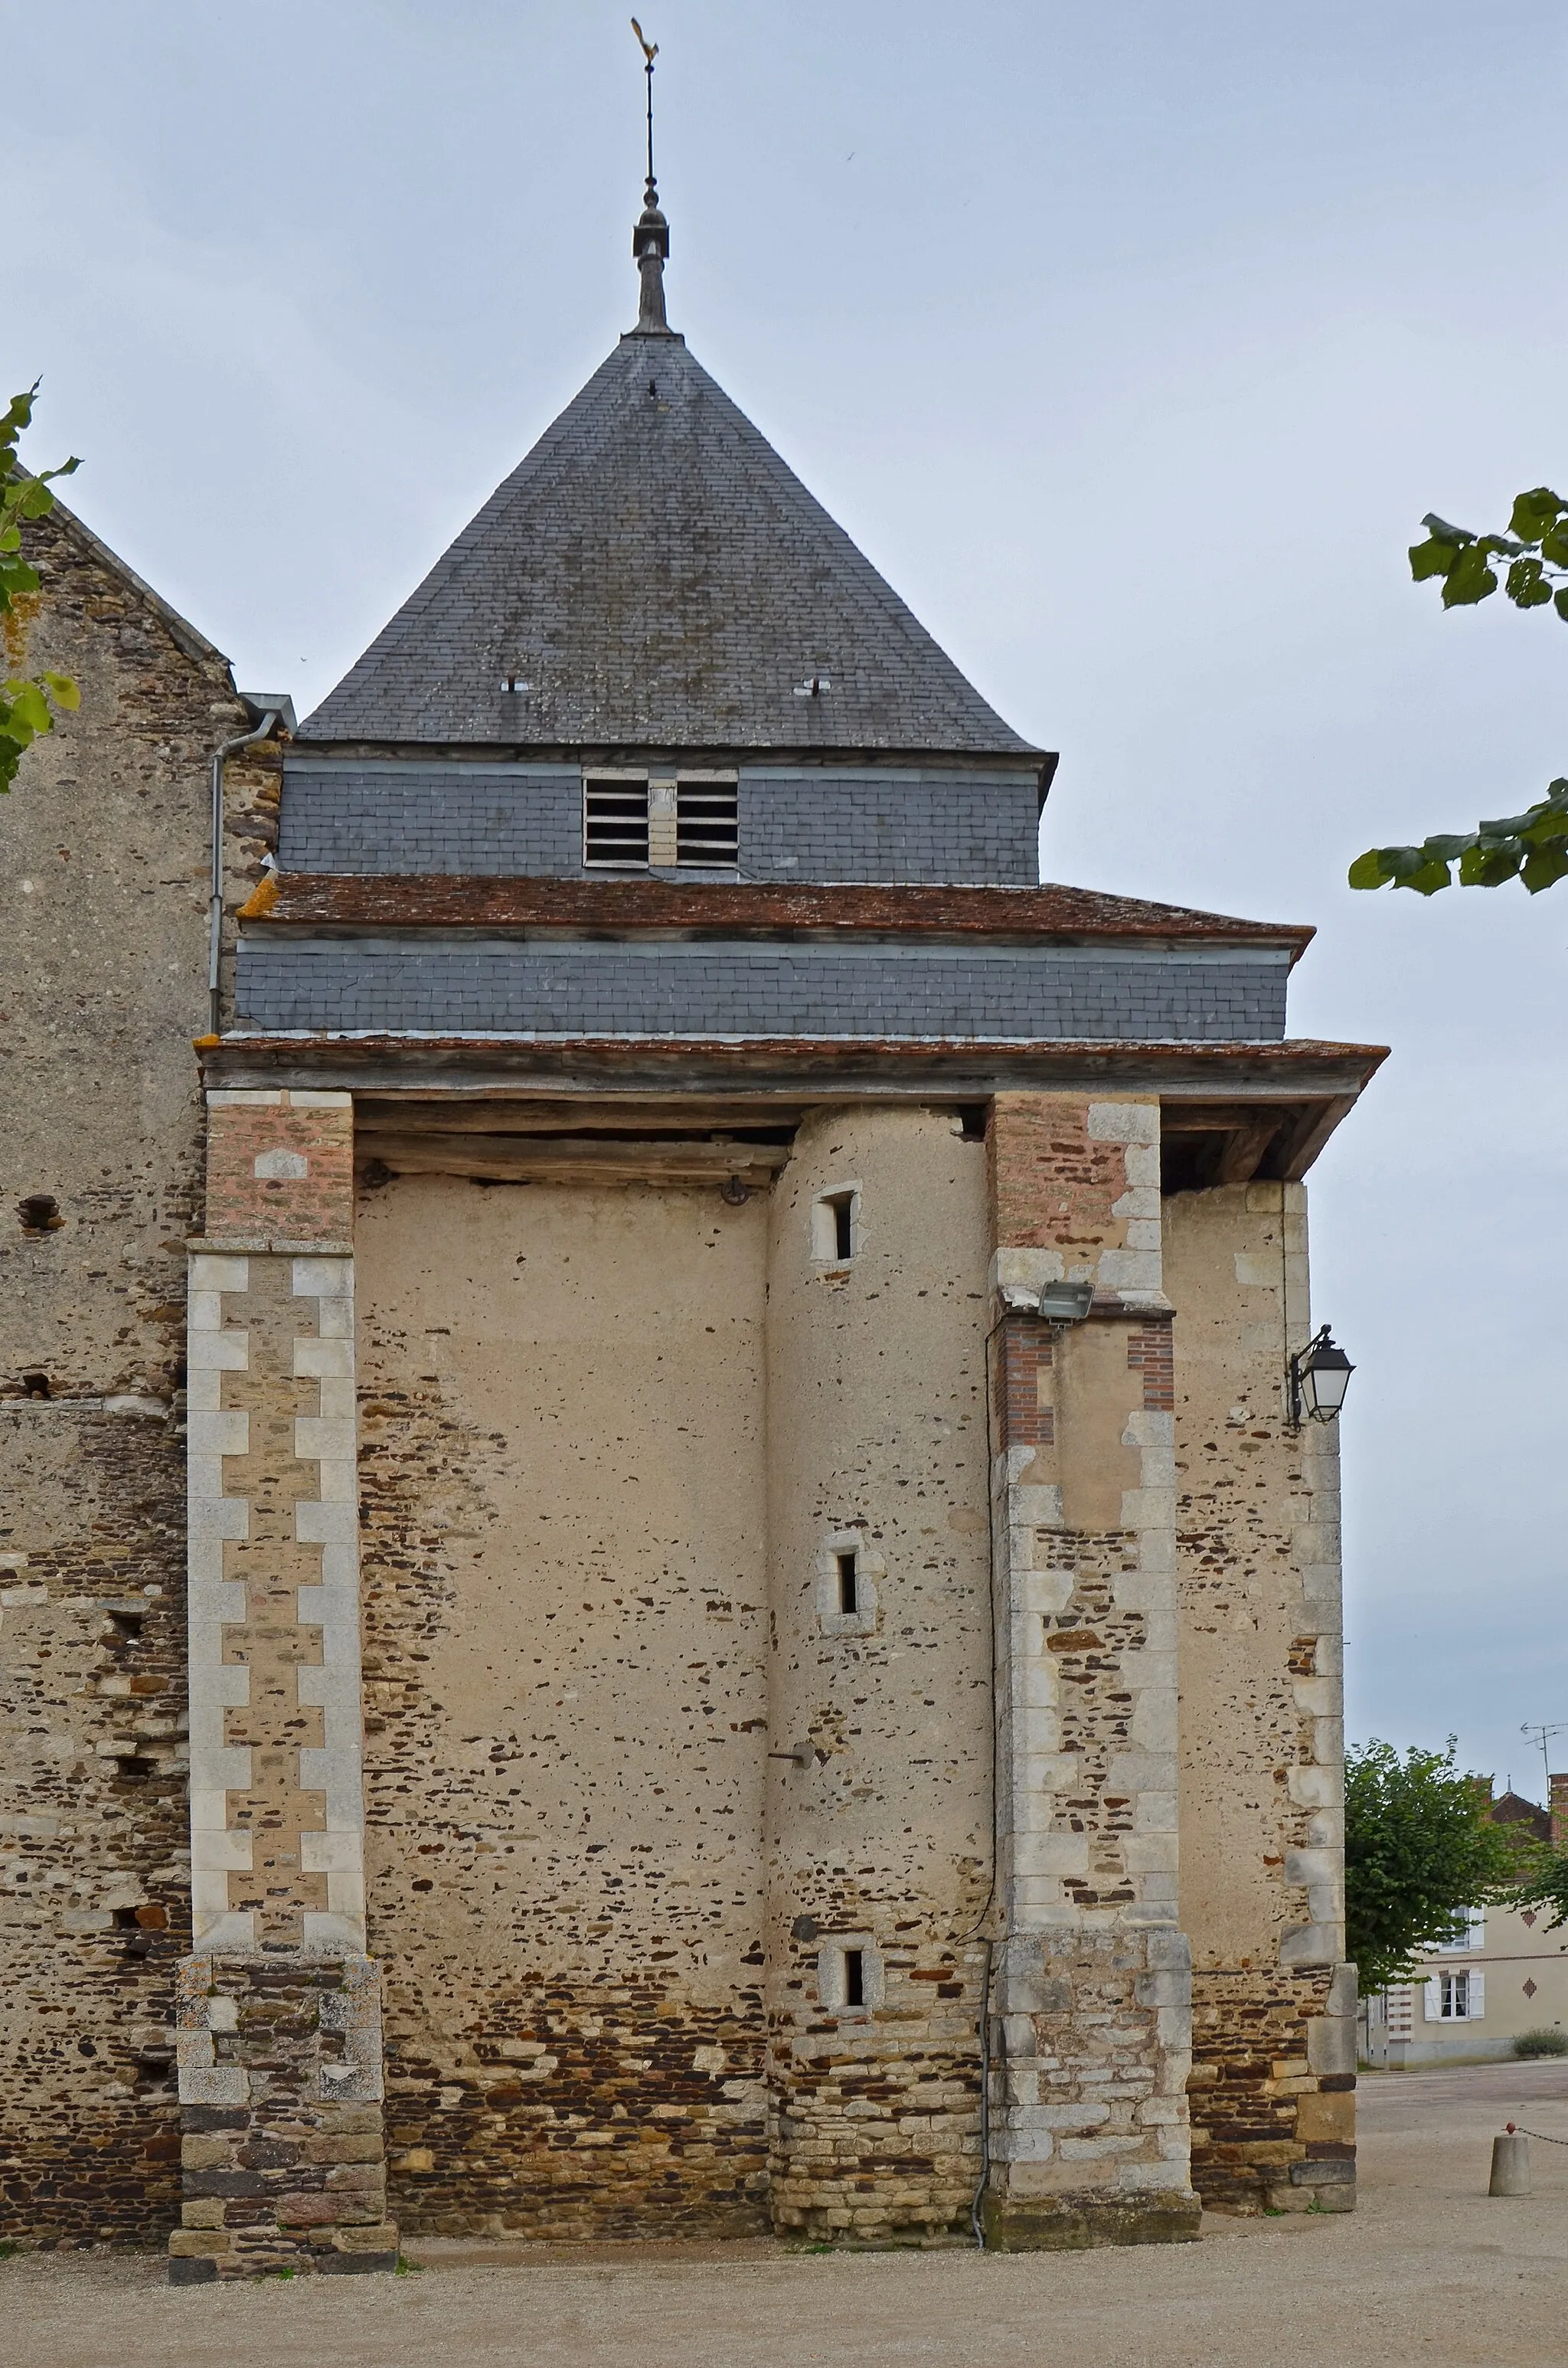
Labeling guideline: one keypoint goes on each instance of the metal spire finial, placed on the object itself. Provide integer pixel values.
(650, 239)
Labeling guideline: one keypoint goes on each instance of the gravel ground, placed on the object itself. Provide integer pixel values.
(1429, 2269)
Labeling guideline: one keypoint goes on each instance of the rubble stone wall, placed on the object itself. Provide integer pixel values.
(1262, 1734)
(103, 906)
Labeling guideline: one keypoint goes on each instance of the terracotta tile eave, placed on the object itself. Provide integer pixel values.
(1285, 1051)
(575, 907)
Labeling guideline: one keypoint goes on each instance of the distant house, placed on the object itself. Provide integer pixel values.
(1505, 1971)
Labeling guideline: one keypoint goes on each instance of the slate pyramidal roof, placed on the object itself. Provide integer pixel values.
(657, 577)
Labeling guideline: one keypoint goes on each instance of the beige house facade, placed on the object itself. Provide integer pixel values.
(1504, 1973)
(658, 1576)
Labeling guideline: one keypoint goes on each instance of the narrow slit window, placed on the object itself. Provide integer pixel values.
(833, 1227)
(708, 824)
(848, 1581)
(615, 824)
(854, 1977)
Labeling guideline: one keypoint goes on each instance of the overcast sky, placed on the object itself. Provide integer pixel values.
(1132, 342)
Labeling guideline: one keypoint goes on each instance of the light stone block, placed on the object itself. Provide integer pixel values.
(340, 1852)
(211, 1436)
(1050, 1854)
(1025, 1270)
(316, 1523)
(227, 1931)
(1129, 1270)
(217, 1352)
(227, 1850)
(1124, 1122)
(322, 1278)
(323, 1439)
(1310, 1944)
(319, 1360)
(210, 1272)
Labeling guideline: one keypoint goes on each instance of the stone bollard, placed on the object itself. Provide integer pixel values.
(1510, 2163)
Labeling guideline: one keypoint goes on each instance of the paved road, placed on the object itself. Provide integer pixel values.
(1429, 2271)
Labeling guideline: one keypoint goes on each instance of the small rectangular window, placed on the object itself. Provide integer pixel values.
(615, 824)
(848, 1581)
(706, 823)
(833, 1226)
(854, 1977)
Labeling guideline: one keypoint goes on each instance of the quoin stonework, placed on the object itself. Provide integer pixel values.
(655, 1577)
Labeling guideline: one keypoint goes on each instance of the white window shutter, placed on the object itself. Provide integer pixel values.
(1432, 2002)
(1478, 1927)
(1476, 2006)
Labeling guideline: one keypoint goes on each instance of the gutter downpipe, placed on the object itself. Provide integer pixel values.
(263, 730)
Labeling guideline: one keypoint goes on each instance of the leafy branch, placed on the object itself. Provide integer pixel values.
(1533, 846)
(1421, 1847)
(26, 702)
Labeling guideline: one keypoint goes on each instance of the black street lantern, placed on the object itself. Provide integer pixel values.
(1320, 1375)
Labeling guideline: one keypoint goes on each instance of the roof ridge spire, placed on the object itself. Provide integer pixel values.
(651, 238)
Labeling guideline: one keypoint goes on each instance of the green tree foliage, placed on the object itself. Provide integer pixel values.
(27, 702)
(1532, 846)
(1420, 1848)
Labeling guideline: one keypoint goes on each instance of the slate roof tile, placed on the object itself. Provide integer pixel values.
(659, 578)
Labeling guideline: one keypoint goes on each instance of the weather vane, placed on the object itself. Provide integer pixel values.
(650, 51)
(651, 238)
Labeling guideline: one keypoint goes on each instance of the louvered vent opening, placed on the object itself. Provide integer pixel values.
(615, 824)
(707, 823)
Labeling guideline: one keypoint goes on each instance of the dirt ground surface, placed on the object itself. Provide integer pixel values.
(1429, 2269)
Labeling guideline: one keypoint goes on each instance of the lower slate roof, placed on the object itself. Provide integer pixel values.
(653, 575)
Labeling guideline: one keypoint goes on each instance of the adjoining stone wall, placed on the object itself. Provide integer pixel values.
(103, 905)
(94, 1863)
(879, 1841)
(1262, 1748)
(565, 1610)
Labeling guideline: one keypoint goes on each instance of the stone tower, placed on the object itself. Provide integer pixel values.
(763, 1642)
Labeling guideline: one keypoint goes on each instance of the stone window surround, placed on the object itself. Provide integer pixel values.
(831, 1979)
(870, 1568)
(826, 1254)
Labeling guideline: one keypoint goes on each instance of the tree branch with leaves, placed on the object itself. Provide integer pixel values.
(27, 702)
(1421, 1847)
(1532, 846)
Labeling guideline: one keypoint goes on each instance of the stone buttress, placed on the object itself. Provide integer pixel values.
(1090, 2010)
(279, 2008)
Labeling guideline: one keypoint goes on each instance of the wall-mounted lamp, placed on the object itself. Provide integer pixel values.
(1320, 1375)
(1066, 1303)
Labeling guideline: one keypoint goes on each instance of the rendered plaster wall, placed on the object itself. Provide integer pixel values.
(882, 1841)
(561, 1476)
(103, 870)
(1262, 1737)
